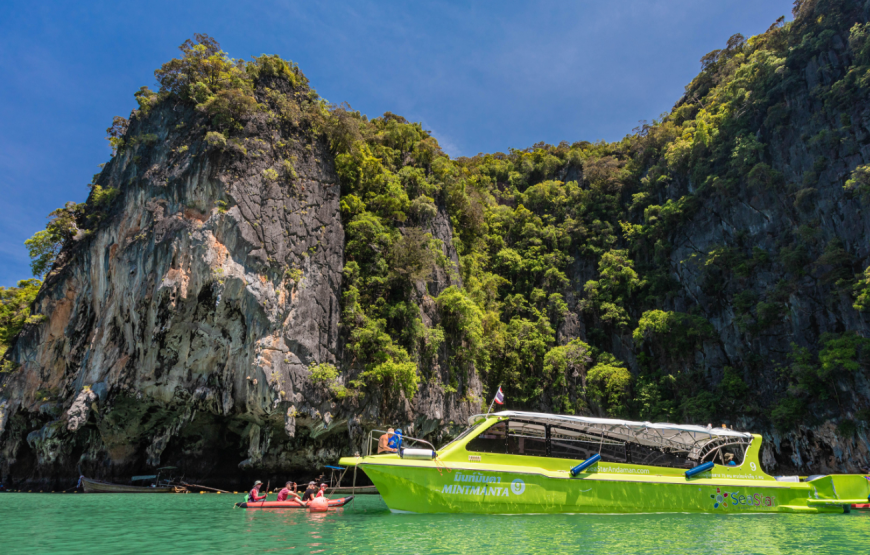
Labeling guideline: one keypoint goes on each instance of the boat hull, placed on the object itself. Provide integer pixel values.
(421, 489)
(291, 504)
(96, 486)
(528, 463)
(359, 490)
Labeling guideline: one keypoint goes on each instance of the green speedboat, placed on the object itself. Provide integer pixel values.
(523, 462)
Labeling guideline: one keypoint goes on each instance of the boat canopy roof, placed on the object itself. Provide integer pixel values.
(685, 437)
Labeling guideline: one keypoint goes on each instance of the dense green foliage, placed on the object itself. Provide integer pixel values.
(45, 245)
(15, 310)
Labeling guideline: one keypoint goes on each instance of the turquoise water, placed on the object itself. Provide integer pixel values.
(168, 524)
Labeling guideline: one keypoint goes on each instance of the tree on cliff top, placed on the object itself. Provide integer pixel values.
(15, 309)
(45, 245)
(203, 70)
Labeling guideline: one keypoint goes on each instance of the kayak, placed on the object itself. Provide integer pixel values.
(341, 501)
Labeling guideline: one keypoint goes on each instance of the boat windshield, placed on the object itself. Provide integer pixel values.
(467, 431)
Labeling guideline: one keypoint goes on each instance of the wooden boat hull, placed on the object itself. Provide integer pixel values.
(359, 490)
(96, 486)
(333, 503)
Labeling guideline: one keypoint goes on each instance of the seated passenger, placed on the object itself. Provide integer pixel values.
(729, 459)
(289, 491)
(322, 492)
(396, 441)
(384, 442)
(310, 492)
(254, 494)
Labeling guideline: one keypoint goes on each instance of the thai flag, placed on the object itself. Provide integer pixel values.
(499, 396)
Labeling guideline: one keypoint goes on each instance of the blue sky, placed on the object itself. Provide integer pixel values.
(483, 76)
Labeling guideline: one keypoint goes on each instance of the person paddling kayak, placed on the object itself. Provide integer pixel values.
(254, 494)
(310, 492)
(289, 491)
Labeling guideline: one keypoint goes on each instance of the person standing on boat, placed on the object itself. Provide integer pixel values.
(310, 492)
(384, 442)
(396, 441)
(254, 494)
(289, 490)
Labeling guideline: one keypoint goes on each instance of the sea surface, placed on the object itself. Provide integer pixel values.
(188, 524)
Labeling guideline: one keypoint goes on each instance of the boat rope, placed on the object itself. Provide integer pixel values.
(353, 487)
(338, 484)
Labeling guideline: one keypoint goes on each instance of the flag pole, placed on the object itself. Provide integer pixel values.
(489, 410)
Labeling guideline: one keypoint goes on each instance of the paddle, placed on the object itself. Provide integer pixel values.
(203, 487)
(269, 483)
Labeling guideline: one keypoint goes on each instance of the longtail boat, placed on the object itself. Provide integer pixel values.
(515, 462)
(158, 484)
(97, 486)
(358, 490)
(335, 486)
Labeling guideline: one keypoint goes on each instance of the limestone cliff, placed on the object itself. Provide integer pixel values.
(180, 329)
(259, 279)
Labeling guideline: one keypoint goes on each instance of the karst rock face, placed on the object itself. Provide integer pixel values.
(189, 320)
(181, 330)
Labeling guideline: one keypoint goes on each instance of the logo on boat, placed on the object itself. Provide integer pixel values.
(488, 486)
(723, 498)
(719, 499)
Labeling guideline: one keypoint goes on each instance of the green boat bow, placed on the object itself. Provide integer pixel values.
(520, 462)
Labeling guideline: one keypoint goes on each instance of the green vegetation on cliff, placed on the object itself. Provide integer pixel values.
(15, 311)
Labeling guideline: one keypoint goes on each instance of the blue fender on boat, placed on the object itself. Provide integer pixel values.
(585, 464)
(698, 469)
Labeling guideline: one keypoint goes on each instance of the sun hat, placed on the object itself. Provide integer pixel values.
(258, 483)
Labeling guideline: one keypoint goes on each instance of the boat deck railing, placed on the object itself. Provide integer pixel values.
(371, 447)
